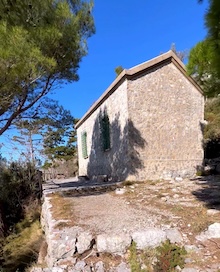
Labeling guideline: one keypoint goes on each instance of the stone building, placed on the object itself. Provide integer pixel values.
(146, 125)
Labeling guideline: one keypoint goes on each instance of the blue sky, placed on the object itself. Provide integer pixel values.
(127, 33)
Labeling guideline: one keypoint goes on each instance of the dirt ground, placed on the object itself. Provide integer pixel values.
(188, 205)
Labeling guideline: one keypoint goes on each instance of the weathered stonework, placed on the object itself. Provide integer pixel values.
(155, 112)
(167, 110)
(112, 162)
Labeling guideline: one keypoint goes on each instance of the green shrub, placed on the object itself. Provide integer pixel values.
(169, 257)
(139, 260)
(133, 259)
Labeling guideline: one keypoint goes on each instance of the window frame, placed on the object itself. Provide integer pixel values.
(105, 132)
(84, 145)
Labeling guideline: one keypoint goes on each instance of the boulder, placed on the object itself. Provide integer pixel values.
(79, 266)
(190, 270)
(99, 267)
(213, 231)
(212, 212)
(122, 267)
(84, 241)
(115, 243)
(174, 236)
(120, 191)
(149, 238)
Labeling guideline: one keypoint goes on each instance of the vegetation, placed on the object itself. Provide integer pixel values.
(52, 137)
(169, 257)
(212, 129)
(20, 192)
(200, 67)
(133, 259)
(213, 27)
(21, 247)
(41, 44)
(165, 258)
(204, 67)
(118, 70)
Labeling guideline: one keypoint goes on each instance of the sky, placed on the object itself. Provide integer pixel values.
(127, 34)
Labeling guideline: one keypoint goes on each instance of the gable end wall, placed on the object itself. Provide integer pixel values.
(166, 109)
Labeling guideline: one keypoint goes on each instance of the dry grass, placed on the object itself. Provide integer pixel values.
(22, 248)
(62, 210)
(191, 217)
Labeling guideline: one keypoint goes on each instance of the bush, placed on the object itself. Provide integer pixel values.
(169, 257)
(20, 193)
(19, 186)
(133, 259)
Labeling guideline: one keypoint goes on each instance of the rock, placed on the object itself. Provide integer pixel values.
(36, 269)
(174, 236)
(80, 266)
(57, 269)
(212, 212)
(87, 268)
(149, 238)
(212, 232)
(178, 179)
(122, 267)
(52, 269)
(190, 270)
(69, 260)
(191, 248)
(176, 196)
(84, 241)
(116, 243)
(99, 267)
(178, 268)
(120, 191)
(188, 260)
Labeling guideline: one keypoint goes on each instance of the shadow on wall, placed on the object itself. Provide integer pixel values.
(122, 158)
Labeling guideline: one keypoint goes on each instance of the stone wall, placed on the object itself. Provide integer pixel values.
(113, 162)
(166, 109)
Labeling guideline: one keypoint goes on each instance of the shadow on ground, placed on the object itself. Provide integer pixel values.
(209, 193)
(77, 188)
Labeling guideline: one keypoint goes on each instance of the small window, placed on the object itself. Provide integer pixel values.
(105, 130)
(84, 145)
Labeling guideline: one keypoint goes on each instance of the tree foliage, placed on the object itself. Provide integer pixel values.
(51, 136)
(60, 141)
(212, 115)
(41, 43)
(200, 67)
(213, 26)
(118, 70)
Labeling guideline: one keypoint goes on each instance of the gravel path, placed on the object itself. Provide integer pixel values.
(109, 214)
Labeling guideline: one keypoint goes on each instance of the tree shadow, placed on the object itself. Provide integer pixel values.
(209, 191)
(122, 159)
